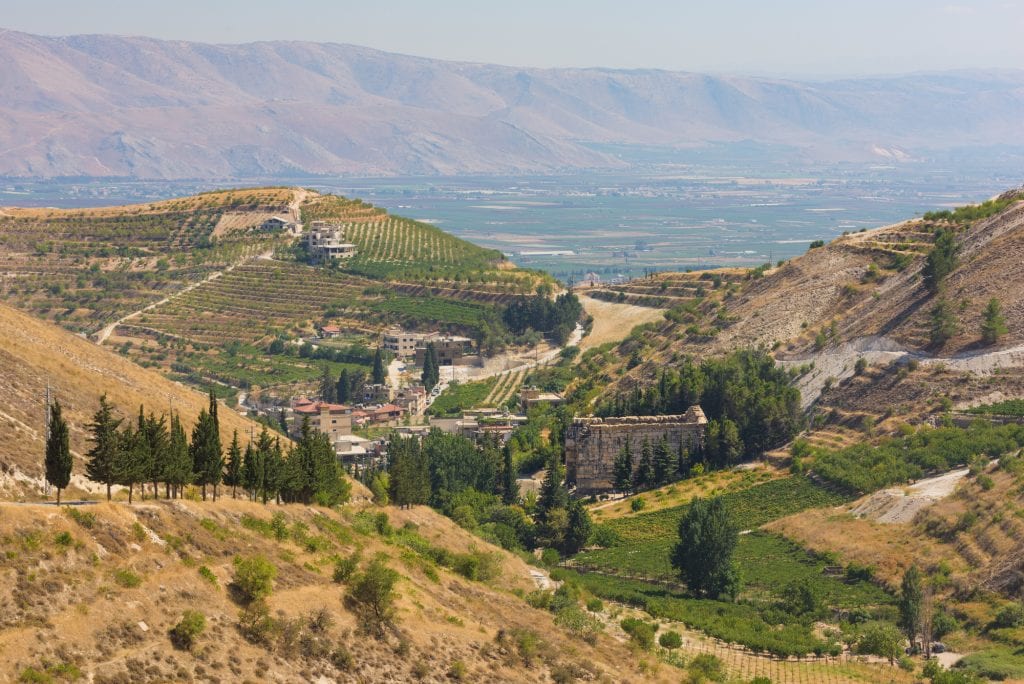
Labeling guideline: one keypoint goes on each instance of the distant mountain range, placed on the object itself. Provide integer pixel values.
(145, 108)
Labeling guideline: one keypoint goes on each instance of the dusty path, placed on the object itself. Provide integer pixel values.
(614, 321)
(900, 504)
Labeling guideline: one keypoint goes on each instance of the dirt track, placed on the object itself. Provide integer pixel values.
(612, 321)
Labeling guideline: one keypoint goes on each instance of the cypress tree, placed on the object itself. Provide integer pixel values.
(247, 476)
(509, 486)
(216, 463)
(704, 554)
(328, 390)
(431, 371)
(130, 461)
(664, 466)
(553, 494)
(178, 469)
(683, 460)
(993, 324)
(343, 389)
(379, 374)
(58, 450)
(578, 531)
(623, 468)
(158, 442)
(233, 474)
(100, 466)
(141, 466)
(910, 603)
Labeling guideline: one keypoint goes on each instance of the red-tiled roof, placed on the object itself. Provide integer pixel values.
(387, 408)
(317, 407)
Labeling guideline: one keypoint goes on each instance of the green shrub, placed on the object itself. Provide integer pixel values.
(86, 519)
(126, 578)
(345, 567)
(255, 623)
(458, 670)
(254, 578)
(637, 504)
(670, 640)
(372, 597)
(595, 605)
(706, 667)
(188, 629)
(64, 539)
(579, 624)
(478, 566)
(639, 631)
(383, 525)
(1009, 616)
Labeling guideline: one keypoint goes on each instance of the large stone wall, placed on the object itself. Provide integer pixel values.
(592, 444)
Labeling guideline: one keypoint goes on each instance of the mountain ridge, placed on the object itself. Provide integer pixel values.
(98, 105)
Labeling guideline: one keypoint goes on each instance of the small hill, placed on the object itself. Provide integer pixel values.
(35, 353)
(96, 590)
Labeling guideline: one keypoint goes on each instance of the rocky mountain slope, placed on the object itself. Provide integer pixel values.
(120, 106)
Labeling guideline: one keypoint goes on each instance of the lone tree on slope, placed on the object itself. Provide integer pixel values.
(704, 554)
(58, 451)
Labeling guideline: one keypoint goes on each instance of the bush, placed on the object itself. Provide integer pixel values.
(255, 623)
(382, 524)
(595, 605)
(207, 575)
(458, 670)
(188, 629)
(86, 519)
(254, 578)
(64, 539)
(479, 566)
(1009, 616)
(127, 579)
(344, 568)
(637, 504)
(670, 640)
(706, 667)
(579, 624)
(639, 631)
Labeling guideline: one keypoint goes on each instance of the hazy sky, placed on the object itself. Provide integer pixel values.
(793, 37)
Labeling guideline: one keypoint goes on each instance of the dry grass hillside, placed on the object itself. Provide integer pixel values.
(35, 353)
(95, 592)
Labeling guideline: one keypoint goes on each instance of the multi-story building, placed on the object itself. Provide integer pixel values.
(333, 420)
(450, 349)
(326, 241)
(402, 343)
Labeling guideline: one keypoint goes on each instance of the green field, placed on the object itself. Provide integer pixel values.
(461, 396)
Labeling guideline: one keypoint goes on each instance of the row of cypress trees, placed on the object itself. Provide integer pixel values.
(155, 450)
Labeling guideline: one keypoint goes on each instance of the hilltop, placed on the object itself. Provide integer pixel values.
(150, 108)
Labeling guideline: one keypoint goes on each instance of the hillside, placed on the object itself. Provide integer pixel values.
(148, 108)
(95, 592)
(34, 354)
(197, 288)
(860, 296)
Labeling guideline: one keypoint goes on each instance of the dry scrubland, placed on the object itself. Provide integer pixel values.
(99, 594)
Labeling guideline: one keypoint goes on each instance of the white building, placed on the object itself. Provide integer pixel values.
(326, 242)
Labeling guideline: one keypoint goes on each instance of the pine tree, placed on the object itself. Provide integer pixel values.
(431, 371)
(683, 460)
(216, 463)
(664, 465)
(100, 466)
(509, 485)
(142, 461)
(993, 324)
(233, 473)
(644, 476)
(205, 451)
(910, 603)
(379, 374)
(623, 468)
(58, 450)
(247, 476)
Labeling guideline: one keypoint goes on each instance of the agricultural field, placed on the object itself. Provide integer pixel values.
(460, 397)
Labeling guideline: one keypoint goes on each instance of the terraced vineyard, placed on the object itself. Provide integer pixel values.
(667, 290)
(396, 248)
(84, 268)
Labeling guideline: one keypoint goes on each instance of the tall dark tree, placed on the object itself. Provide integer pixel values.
(131, 459)
(644, 475)
(578, 531)
(142, 459)
(178, 468)
(683, 460)
(379, 372)
(431, 370)
(216, 464)
(910, 601)
(664, 462)
(509, 484)
(158, 444)
(409, 482)
(233, 469)
(58, 450)
(205, 451)
(943, 323)
(343, 391)
(247, 476)
(941, 260)
(328, 388)
(553, 494)
(704, 554)
(102, 457)
(623, 468)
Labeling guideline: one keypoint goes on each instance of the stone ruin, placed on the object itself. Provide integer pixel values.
(592, 444)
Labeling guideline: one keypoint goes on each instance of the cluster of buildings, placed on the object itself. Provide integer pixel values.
(451, 350)
(325, 242)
